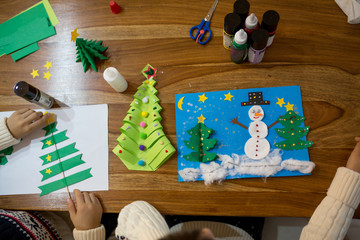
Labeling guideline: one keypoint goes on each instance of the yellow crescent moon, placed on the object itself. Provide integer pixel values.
(180, 103)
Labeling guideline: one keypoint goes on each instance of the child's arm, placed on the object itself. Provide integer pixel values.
(18, 125)
(332, 217)
(86, 216)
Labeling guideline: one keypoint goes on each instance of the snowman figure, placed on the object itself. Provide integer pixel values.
(257, 147)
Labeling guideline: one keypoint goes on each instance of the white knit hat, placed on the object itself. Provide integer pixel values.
(140, 221)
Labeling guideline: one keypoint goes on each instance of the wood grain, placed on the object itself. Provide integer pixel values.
(314, 47)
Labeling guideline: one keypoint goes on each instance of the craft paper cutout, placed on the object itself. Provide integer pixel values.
(74, 35)
(143, 144)
(225, 117)
(48, 65)
(34, 73)
(25, 51)
(61, 166)
(292, 132)
(87, 50)
(6, 152)
(149, 71)
(201, 144)
(47, 75)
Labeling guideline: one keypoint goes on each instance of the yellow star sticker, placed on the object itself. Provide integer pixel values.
(48, 171)
(280, 101)
(48, 65)
(228, 96)
(202, 98)
(74, 35)
(48, 158)
(289, 106)
(48, 142)
(50, 119)
(201, 119)
(47, 75)
(34, 73)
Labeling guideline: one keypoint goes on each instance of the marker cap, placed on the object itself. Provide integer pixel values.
(232, 23)
(242, 8)
(240, 37)
(251, 21)
(259, 39)
(270, 20)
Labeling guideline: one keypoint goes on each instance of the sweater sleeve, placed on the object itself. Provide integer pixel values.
(332, 218)
(6, 139)
(92, 234)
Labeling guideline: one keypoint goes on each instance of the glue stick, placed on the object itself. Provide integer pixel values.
(115, 79)
(33, 94)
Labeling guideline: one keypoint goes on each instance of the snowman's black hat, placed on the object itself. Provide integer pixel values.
(255, 98)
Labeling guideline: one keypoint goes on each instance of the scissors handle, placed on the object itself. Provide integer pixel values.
(201, 32)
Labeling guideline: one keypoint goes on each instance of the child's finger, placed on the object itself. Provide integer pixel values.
(87, 197)
(79, 197)
(33, 117)
(94, 199)
(23, 110)
(71, 207)
(39, 122)
(27, 113)
(357, 139)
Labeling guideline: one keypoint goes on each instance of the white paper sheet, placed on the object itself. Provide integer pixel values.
(87, 126)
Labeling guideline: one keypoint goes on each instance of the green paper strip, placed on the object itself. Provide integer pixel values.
(130, 160)
(62, 152)
(50, 12)
(54, 139)
(3, 160)
(61, 167)
(7, 151)
(51, 128)
(25, 51)
(72, 179)
(163, 156)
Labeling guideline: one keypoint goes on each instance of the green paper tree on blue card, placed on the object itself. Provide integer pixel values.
(87, 50)
(53, 164)
(143, 144)
(201, 144)
(292, 132)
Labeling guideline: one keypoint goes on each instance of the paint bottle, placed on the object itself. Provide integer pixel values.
(232, 23)
(115, 79)
(251, 24)
(238, 52)
(269, 22)
(33, 94)
(242, 7)
(258, 46)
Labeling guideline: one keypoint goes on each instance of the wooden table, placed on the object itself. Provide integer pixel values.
(314, 47)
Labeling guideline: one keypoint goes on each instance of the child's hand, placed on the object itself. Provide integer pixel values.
(87, 214)
(24, 121)
(353, 162)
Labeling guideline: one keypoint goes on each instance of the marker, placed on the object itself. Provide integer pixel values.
(242, 7)
(33, 94)
(269, 22)
(257, 48)
(238, 52)
(232, 23)
(115, 79)
(251, 24)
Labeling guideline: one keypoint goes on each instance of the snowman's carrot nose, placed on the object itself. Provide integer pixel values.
(258, 114)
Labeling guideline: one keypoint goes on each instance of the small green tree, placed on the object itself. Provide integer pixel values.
(201, 144)
(292, 132)
(87, 50)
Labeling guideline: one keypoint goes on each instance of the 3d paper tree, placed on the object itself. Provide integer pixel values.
(143, 144)
(292, 132)
(55, 163)
(3, 153)
(87, 50)
(201, 144)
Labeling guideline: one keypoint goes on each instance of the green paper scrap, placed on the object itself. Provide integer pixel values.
(54, 139)
(51, 128)
(25, 51)
(201, 144)
(25, 29)
(67, 181)
(61, 167)
(3, 160)
(60, 153)
(7, 151)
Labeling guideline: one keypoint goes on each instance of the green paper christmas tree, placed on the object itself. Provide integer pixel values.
(143, 144)
(292, 132)
(87, 50)
(53, 164)
(6, 152)
(201, 144)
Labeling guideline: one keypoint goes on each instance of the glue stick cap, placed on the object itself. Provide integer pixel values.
(240, 37)
(115, 8)
(270, 20)
(232, 23)
(251, 21)
(242, 8)
(259, 39)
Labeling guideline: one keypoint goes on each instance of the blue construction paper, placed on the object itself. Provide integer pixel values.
(232, 138)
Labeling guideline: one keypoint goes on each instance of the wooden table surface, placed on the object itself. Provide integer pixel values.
(314, 47)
